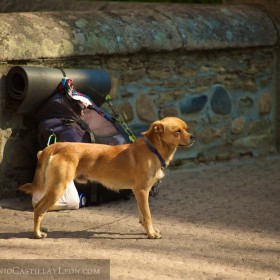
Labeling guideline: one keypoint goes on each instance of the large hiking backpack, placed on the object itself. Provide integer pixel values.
(70, 116)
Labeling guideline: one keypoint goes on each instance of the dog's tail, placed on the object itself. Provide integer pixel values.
(38, 181)
(27, 188)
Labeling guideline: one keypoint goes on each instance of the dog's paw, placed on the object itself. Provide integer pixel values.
(155, 234)
(41, 234)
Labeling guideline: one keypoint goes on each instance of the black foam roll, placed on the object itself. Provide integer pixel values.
(33, 85)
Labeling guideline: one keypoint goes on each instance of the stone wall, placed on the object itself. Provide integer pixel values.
(272, 8)
(214, 67)
(226, 97)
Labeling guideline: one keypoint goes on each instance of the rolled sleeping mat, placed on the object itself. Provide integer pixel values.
(33, 85)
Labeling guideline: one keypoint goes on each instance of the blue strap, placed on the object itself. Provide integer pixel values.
(156, 152)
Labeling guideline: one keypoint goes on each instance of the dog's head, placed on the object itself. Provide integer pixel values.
(172, 131)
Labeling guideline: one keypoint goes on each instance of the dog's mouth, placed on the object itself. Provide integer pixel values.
(187, 145)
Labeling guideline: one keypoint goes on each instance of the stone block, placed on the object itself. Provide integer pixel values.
(254, 142)
(166, 97)
(209, 134)
(160, 75)
(169, 111)
(125, 110)
(260, 126)
(193, 104)
(265, 103)
(245, 102)
(220, 102)
(145, 108)
(237, 125)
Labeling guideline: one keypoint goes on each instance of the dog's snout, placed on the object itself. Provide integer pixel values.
(192, 137)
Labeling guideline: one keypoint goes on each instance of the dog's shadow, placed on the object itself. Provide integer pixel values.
(85, 234)
(98, 235)
(88, 233)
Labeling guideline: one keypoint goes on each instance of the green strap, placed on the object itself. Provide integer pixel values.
(50, 139)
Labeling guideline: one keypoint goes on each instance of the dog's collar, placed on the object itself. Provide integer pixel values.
(156, 152)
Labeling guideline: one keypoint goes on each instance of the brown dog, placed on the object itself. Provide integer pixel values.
(136, 166)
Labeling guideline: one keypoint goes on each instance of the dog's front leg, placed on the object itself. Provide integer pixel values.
(142, 198)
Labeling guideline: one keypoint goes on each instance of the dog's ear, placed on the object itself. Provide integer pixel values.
(156, 127)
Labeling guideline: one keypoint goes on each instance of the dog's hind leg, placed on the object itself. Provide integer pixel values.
(142, 197)
(44, 205)
(140, 216)
(37, 224)
(56, 183)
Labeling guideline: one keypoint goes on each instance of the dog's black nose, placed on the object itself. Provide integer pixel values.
(192, 137)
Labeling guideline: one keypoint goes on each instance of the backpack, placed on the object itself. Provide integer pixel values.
(70, 116)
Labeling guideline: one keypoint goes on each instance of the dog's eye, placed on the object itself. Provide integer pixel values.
(179, 131)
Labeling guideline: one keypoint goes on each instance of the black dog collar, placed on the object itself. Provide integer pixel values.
(156, 152)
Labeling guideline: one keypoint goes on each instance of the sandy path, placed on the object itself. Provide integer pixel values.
(219, 221)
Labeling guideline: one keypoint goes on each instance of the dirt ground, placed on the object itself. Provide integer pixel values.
(218, 221)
